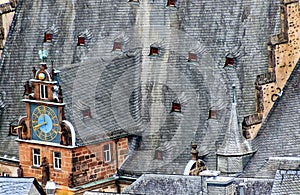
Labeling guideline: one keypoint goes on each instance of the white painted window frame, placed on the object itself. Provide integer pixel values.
(57, 161)
(36, 157)
(107, 153)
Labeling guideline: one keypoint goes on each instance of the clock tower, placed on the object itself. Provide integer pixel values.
(48, 147)
(44, 107)
(46, 139)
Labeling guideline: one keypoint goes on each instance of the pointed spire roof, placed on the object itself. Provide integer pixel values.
(234, 143)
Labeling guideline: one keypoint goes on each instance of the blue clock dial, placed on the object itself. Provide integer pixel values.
(45, 124)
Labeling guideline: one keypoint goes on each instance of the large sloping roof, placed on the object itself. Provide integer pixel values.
(88, 86)
(14, 185)
(278, 143)
(208, 28)
(286, 182)
(166, 184)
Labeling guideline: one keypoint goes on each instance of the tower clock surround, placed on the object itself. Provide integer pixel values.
(44, 123)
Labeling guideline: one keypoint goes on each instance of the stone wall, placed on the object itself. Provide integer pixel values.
(283, 57)
(89, 164)
(59, 176)
(10, 169)
(85, 163)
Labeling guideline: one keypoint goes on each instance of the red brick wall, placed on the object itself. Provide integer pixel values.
(122, 150)
(89, 162)
(59, 176)
(86, 163)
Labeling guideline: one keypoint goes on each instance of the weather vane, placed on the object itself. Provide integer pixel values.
(43, 55)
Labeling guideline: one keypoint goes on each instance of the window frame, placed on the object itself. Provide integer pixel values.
(36, 157)
(134, 1)
(86, 113)
(213, 114)
(5, 174)
(48, 38)
(176, 107)
(154, 51)
(44, 92)
(81, 41)
(118, 46)
(230, 61)
(158, 155)
(107, 153)
(171, 3)
(193, 57)
(57, 161)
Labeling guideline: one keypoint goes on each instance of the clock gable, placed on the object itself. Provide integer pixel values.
(45, 109)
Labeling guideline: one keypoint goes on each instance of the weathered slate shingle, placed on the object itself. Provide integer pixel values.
(141, 102)
(277, 142)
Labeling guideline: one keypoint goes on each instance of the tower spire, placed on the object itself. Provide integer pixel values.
(233, 94)
(234, 148)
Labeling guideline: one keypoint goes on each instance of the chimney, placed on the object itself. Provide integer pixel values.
(194, 150)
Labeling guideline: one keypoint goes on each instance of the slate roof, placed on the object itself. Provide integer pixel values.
(277, 143)
(166, 184)
(20, 186)
(234, 143)
(210, 28)
(88, 86)
(286, 182)
(253, 186)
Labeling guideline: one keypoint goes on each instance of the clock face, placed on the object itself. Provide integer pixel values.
(44, 123)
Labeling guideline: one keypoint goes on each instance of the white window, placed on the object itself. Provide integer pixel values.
(4, 174)
(107, 153)
(44, 92)
(36, 156)
(57, 160)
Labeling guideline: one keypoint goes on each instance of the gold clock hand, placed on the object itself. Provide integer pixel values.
(39, 125)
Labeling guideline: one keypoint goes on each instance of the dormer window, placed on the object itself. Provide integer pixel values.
(171, 3)
(134, 1)
(154, 50)
(213, 114)
(229, 61)
(86, 113)
(81, 41)
(193, 57)
(43, 92)
(176, 107)
(117, 46)
(48, 37)
(158, 155)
